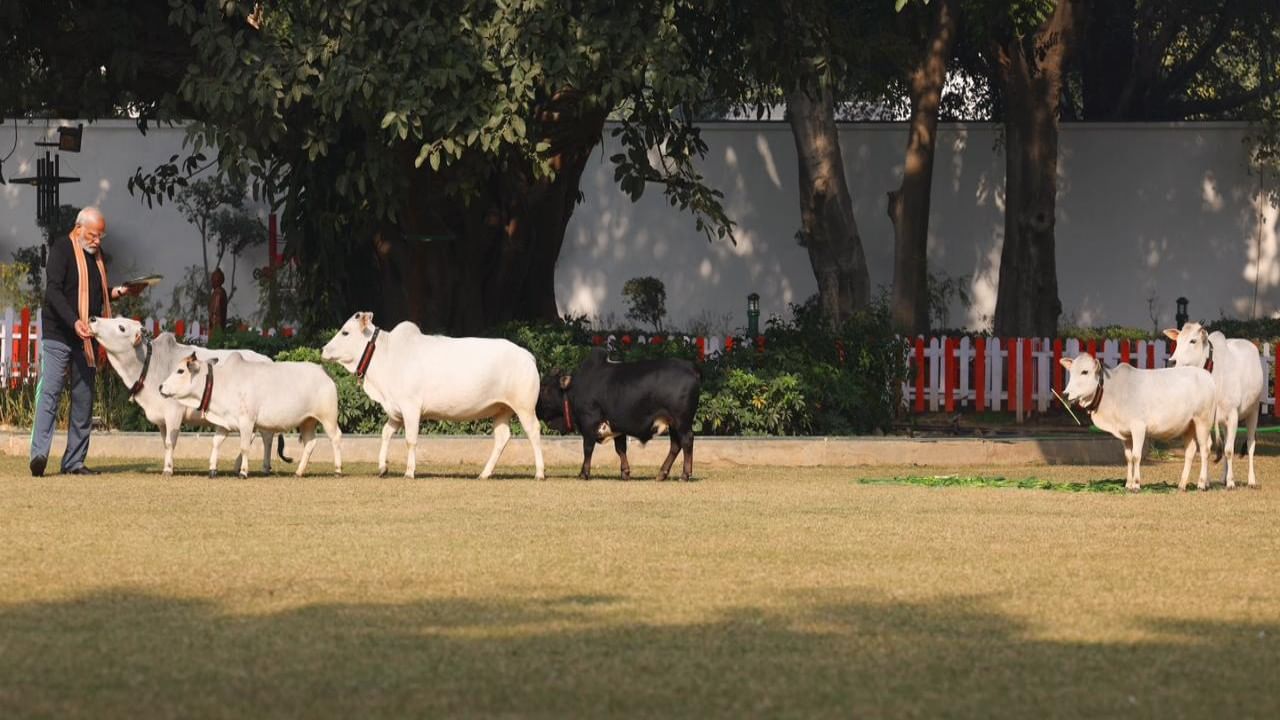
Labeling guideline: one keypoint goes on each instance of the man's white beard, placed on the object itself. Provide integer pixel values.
(91, 250)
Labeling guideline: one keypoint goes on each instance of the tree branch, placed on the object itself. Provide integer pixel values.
(1218, 105)
(1182, 73)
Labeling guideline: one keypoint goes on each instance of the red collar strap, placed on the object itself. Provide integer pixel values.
(362, 367)
(208, 392)
(146, 365)
(1208, 364)
(568, 414)
(1097, 396)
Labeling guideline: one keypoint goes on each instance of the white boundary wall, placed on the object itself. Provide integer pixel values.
(1144, 209)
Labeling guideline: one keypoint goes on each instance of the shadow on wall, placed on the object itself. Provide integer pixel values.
(125, 653)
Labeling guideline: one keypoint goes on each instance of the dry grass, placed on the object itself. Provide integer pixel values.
(758, 591)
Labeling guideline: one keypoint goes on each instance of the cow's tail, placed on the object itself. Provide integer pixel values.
(280, 448)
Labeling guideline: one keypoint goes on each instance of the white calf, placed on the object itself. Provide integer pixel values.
(235, 394)
(144, 363)
(1238, 383)
(1134, 404)
(415, 376)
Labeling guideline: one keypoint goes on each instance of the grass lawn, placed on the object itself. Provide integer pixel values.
(755, 592)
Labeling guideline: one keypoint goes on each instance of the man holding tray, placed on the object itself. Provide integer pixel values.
(76, 289)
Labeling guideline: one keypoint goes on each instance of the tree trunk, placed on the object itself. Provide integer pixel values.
(462, 268)
(828, 229)
(1027, 302)
(909, 204)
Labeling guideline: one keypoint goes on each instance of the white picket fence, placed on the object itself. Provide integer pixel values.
(20, 347)
(976, 373)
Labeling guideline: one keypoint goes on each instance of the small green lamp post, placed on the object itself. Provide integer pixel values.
(753, 315)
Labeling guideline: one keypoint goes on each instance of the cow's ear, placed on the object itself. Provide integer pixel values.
(213, 361)
(1065, 362)
(1171, 333)
(565, 381)
(137, 338)
(366, 319)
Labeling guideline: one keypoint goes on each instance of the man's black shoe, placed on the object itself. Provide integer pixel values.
(37, 465)
(82, 470)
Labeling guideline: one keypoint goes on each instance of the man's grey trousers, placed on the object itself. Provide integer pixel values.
(55, 358)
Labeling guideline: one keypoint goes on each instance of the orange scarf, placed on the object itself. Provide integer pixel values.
(82, 271)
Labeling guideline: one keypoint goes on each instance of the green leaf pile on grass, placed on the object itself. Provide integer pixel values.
(1099, 486)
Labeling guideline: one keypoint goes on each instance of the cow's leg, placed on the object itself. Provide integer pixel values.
(620, 445)
(1203, 427)
(388, 429)
(1251, 429)
(307, 435)
(501, 434)
(529, 421)
(411, 420)
(170, 428)
(1139, 435)
(1128, 462)
(246, 444)
(1229, 447)
(334, 431)
(686, 446)
(267, 437)
(665, 470)
(219, 434)
(588, 447)
(1189, 440)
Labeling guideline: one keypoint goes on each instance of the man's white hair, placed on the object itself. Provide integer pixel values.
(89, 214)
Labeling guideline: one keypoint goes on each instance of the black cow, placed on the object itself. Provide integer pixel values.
(604, 399)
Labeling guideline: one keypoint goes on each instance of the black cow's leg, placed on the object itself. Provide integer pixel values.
(620, 444)
(686, 444)
(588, 447)
(671, 458)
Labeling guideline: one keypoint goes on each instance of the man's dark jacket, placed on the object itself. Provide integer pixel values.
(62, 291)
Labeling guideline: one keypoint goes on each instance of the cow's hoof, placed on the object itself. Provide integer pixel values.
(1202, 487)
(1231, 486)
(166, 473)
(1253, 485)
(382, 472)
(626, 477)
(337, 473)
(687, 478)
(408, 476)
(213, 473)
(540, 478)
(662, 478)
(244, 476)
(584, 478)
(1133, 488)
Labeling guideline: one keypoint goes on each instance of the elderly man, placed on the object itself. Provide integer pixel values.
(75, 290)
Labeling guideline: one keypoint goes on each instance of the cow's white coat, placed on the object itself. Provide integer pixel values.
(123, 339)
(1238, 384)
(1139, 404)
(278, 396)
(415, 376)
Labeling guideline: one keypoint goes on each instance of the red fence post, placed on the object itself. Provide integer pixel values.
(1055, 369)
(1151, 355)
(180, 329)
(919, 375)
(155, 327)
(701, 342)
(1124, 352)
(24, 343)
(979, 373)
(1092, 347)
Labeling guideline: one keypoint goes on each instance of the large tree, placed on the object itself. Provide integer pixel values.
(426, 155)
(908, 206)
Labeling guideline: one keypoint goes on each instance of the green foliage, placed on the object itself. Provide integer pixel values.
(1106, 332)
(1266, 329)
(1112, 487)
(746, 404)
(942, 290)
(356, 412)
(15, 288)
(646, 301)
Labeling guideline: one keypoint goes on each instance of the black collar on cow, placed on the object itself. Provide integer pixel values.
(208, 390)
(366, 357)
(146, 365)
(1093, 405)
(568, 413)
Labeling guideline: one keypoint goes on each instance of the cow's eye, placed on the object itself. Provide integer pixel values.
(179, 372)
(1193, 342)
(344, 332)
(1084, 372)
(121, 328)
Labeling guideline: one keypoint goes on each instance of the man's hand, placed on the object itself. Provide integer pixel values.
(121, 290)
(82, 329)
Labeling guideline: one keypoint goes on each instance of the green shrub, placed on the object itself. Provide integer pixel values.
(1265, 329)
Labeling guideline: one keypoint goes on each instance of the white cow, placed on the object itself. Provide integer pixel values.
(1134, 404)
(415, 376)
(236, 394)
(1236, 367)
(143, 363)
